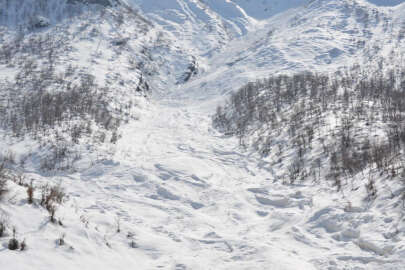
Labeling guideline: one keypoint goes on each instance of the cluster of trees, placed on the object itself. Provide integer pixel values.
(66, 106)
(48, 101)
(47, 46)
(22, 12)
(60, 106)
(355, 118)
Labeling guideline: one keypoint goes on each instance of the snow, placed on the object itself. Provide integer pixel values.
(265, 9)
(187, 195)
(386, 2)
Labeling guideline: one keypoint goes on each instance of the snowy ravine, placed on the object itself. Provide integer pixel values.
(190, 199)
(177, 194)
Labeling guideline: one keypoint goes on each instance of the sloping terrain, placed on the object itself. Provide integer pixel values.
(166, 189)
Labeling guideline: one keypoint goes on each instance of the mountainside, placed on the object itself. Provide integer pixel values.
(321, 36)
(115, 153)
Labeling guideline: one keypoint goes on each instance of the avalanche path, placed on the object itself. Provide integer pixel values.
(192, 199)
(206, 193)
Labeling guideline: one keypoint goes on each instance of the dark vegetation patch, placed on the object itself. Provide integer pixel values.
(323, 127)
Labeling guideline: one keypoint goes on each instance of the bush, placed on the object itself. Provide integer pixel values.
(13, 244)
(30, 193)
(3, 181)
(3, 226)
(50, 197)
(61, 240)
(23, 245)
(3, 186)
(132, 244)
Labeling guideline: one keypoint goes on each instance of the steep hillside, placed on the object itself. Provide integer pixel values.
(111, 159)
(321, 36)
(70, 78)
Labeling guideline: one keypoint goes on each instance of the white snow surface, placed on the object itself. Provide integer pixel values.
(386, 2)
(187, 195)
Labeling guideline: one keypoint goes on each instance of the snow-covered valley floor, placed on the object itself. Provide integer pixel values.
(191, 199)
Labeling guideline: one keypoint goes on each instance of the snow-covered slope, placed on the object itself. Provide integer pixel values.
(321, 36)
(170, 191)
(385, 3)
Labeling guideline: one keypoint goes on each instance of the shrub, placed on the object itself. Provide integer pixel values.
(371, 189)
(3, 181)
(23, 245)
(61, 240)
(3, 186)
(30, 193)
(52, 211)
(50, 197)
(3, 226)
(132, 244)
(118, 224)
(13, 244)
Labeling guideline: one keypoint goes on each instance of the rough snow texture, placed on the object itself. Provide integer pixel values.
(186, 195)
